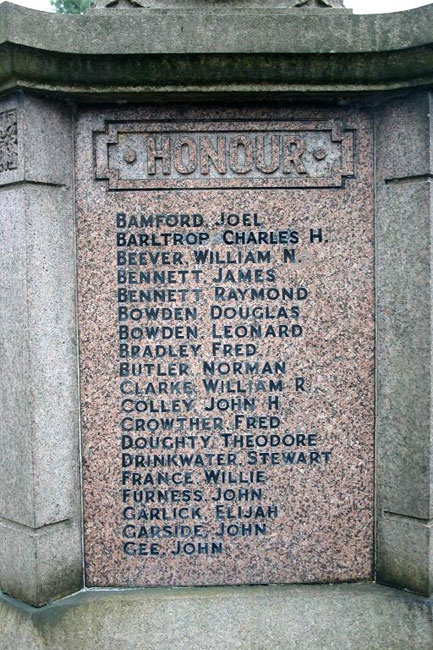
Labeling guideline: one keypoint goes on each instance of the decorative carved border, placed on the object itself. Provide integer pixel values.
(116, 129)
(8, 140)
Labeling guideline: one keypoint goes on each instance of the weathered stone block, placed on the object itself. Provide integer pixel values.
(404, 287)
(39, 383)
(39, 565)
(39, 406)
(331, 617)
(35, 140)
(404, 137)
(405, 556)
(404, 343)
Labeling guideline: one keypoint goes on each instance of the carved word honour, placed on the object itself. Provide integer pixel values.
(199, 155)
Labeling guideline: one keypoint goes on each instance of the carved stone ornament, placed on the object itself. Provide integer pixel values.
(8, 141)
(114, 4)
(190, 4)
(307, 4)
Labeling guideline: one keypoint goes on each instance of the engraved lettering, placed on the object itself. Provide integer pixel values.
(158, 152)
(207, 155)
(241, 154)
(210, 153)
(185, 155)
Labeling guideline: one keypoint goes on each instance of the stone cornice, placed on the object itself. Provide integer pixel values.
(225, 51)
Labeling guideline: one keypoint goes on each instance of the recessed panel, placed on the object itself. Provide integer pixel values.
(226, 332)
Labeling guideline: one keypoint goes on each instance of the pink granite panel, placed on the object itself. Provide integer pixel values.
(227, 369)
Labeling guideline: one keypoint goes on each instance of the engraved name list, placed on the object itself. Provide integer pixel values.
(225, 299)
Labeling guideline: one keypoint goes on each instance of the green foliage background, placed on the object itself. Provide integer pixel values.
(70, 6)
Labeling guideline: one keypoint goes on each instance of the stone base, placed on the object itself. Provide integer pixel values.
(312, 617)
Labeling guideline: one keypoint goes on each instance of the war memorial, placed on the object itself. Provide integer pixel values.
(216, 327)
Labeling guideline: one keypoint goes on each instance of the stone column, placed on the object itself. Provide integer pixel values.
(404, 343)
(40, 505)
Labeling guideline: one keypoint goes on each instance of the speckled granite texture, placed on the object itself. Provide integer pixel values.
(309, 518)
